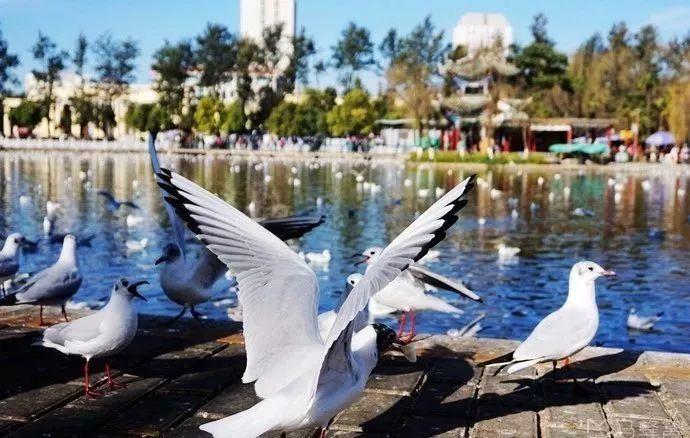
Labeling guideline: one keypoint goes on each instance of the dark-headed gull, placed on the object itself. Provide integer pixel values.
(101, 334)
(566, 331)
(113, 204)
(303, 378)
(9, 257)
(52, 286)
(407, 293)
(189, 281)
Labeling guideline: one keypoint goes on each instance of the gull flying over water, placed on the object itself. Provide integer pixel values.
(189, 281)
(9, 257)
(113, 204)
(407, 292)
(303, 378)
(564, 332)
(52, 286)
(100, 334)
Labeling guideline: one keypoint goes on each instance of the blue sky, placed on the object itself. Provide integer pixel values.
(150, 22)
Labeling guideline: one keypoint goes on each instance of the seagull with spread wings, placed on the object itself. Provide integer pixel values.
(303, 378)
(189, 281)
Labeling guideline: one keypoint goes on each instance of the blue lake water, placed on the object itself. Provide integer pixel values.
(638, 227)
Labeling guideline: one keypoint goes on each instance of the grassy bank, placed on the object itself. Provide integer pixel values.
(504, 158)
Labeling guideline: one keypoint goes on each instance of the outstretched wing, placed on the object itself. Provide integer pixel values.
(109, 196)
(175, 223)
(278, 291)
(427, 276)
(411, 245)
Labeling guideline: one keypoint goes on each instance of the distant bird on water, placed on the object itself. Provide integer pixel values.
(52, 286)
(642, 323)
(100, 334)
(564, 332)
(52, 209)
(113, 204)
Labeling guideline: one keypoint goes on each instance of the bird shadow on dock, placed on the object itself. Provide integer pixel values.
(444, 405)
(157, 351)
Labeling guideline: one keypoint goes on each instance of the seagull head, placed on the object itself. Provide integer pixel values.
(387, 339)
(590, 271)
(351, 281)
(171, 252)
(129, 289)
(369, 255)
(18, 240)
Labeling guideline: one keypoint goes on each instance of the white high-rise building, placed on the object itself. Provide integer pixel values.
(256, 15)
(477, 30)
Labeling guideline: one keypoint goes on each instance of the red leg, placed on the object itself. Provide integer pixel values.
(111, 382)
(412, 333)
(323, 433)
(88, 391)
(401, 326)
(64, 313)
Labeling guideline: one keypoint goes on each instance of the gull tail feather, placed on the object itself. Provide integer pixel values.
(251, 423)
(53, 345)
(522, 365)
(437, 304)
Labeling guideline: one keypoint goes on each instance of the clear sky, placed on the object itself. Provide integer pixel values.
(150, 22)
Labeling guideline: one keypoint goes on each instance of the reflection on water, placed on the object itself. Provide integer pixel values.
(635, 224)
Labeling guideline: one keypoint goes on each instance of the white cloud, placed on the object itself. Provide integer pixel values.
(672, 19)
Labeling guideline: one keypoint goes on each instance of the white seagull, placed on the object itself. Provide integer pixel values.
(189, 281)
(642, 323)
(101, 334)
(303, 379)
(407, 293)
(52, 209)
(564, 332)
(9, 257)
(52, 286)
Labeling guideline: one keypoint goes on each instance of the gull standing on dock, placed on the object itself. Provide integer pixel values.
(101, 334)
(52, 286)
(303, 379)
(564, 332)
(9, 258)
(189, 282)
(407, 293)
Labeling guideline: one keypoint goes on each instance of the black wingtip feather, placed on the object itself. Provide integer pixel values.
(449, 219)
(8, 300)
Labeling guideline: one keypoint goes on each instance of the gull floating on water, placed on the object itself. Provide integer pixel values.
(303, 379)
(52, 286)
(52, 209)
(642, 323)
(507, 252)
(564, 332)
(137, 245)
(101, 334)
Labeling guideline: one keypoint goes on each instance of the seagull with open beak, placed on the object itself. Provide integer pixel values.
(101, 334)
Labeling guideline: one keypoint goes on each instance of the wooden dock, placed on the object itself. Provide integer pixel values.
(183, 376)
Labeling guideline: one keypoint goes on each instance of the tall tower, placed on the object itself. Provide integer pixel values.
(256, 15)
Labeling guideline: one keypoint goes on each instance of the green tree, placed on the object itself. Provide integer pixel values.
(137, 116)
(115, 69)
(209, 114)
(79, 58)
(8, 61)
(52, 62)
(355, 116)
(66, 120)
(115, 64)
(234, 119)
(353, 53)
(216, 56)
(27, 114)
(173, 64)
(158, 119)
(84, 108)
